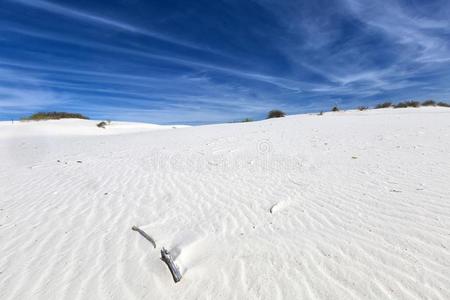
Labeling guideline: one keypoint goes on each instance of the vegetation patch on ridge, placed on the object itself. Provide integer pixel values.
(55, 115)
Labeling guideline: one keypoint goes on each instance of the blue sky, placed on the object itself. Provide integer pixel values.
(209, 61)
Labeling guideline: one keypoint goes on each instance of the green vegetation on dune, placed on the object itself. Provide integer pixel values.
(275, 113)
(443, 104)
(411, 103)
(429, 103)
(54, 116)
(383, 105)
(407, 104)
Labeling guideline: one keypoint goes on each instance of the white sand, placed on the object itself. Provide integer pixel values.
(70, 127)
(348, 205)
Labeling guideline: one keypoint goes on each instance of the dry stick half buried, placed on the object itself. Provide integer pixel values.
(167, 258)
(135, 228)
(165, 255)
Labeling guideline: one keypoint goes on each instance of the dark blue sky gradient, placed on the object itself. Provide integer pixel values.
(208, 61)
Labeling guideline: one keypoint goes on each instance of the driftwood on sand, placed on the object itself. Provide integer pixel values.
(167, 258)
(135, 228)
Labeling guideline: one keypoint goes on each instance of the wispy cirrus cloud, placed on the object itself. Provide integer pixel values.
(27, 100)
(94, 19)
(364, 47)
(196, 64)
(424, 32)
(154, 97)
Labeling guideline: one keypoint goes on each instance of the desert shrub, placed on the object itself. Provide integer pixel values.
(407, 104)
(361, 108)
(335, 108)
(443, 104)
(102, 124)
(383, 105)
(400, 105)
(429, 103)
(413, 103)
(54, 116)
(275, 114)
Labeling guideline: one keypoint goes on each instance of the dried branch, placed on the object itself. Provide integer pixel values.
(167, 258)
(135, 228)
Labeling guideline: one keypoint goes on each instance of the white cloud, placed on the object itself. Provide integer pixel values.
(423, 36)
(103, 21)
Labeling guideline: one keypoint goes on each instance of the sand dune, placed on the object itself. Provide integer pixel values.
(348, 205)
(71, 127)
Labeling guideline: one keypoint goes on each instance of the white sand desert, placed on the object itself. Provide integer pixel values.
(348, 205)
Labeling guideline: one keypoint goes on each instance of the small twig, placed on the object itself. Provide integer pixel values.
(272, 208)
(167, 258)
(135, 228)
